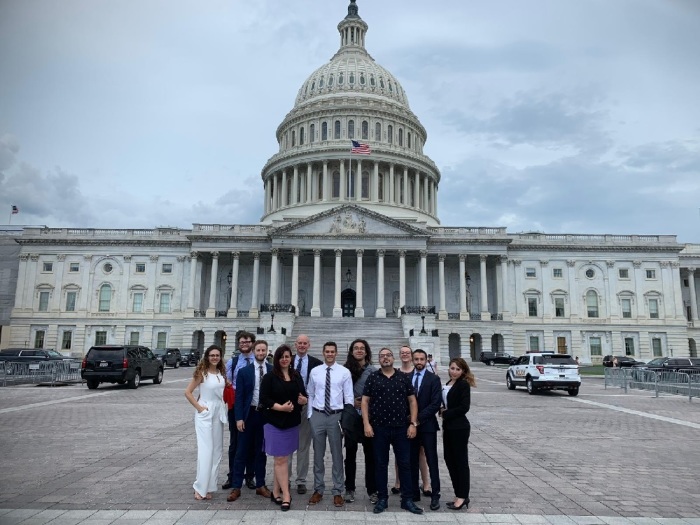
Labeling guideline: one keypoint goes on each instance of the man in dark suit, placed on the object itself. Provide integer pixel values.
(304, 364)
(429, 397)
(249, 422)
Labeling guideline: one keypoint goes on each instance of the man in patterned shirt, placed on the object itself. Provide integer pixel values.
(390, 416)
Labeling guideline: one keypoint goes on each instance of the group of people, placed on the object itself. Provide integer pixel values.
(282, 410)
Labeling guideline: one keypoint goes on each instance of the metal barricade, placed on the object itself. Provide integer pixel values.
(36, 372)
(615, 377)
(675, 382)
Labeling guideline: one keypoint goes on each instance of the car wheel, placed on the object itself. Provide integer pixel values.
(509, 382)
(573, 391)
(177, 364)
(92, 384)
(159, 377)
(491, 363)
(136, 381)
(531, 388)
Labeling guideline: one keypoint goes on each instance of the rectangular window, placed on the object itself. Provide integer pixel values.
(66, 340)
(685, 283)
(167, 268)
(653, 308)
(626, 308)
(624, 273)
(165, 303)
(651, 274)
(656, 347)
(559, 307)
(43, 302)
(39, 339)
(100, 338)
(534, 343)
(530, 273)
(629, 346)
(557, 273)
(70, 301)
(140, 267)
(48, 267)
(532, 307)
(74, 267)
(134, 338)
(595, 346)
(137, 306)
(162, 340)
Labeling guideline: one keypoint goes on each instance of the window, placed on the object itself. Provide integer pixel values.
(592, 303)
(595, 346)
(140, 267)
(324, 131)
(44, 302)
(134, 338)
(137, 305)
(312, 133)
(656, 347)
(557, 273)
(302, 131)
(365, 185)
(351, 129)
(74, 267)
(336, 131)
(336, 185)
(390, 134)
(378, 131)
(624, 273)
(651, 274)
(107, 267)
(100, 338)
(105, 298)
(685, 283)
(530, 273)
(590, 273)
(532, 306)
(165, 303)
(380, 197)
(534, 343)
(626, 308)
(401, 137)
(162, 340)
(408, 139)
(365, 130)
(66, 340)
(39, 338)
(48, 267)
(559, 307)
(653, 308)
(70, 301)
(167, 268)
(629, 346)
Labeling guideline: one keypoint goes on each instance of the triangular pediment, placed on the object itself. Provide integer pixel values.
(349, 221)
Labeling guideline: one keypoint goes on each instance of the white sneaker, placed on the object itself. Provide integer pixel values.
(350, 496)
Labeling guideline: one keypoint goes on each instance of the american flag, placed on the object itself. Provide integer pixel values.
(15, 210)
(360, 148)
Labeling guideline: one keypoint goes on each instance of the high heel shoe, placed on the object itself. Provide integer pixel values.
(286, 505)
(277, 500)
(452, 506)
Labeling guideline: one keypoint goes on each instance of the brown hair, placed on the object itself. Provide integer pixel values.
(276, 368)
(467, 374)
(203, 365)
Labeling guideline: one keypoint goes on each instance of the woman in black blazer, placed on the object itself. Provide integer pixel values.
(456, 397)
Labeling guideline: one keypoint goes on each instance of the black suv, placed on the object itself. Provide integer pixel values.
(169, 356)
(120, 364)
(623, 361)
(492, 358)
(189, 357)
(31, 354)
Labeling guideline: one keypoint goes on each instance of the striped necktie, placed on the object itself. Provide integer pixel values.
(327, 400)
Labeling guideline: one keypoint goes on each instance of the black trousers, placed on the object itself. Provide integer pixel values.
(427, 440)
(351, 446)
(455, 443)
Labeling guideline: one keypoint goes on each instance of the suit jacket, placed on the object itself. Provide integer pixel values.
(313, 363)
(429, 399)
(458, 402)
(245, 386)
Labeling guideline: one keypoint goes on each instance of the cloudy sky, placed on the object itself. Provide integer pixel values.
(547, 115)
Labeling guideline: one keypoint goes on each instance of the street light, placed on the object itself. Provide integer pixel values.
(348, 276)
(272, 330)
(422, 330)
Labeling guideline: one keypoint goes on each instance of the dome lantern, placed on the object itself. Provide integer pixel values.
(352, 29)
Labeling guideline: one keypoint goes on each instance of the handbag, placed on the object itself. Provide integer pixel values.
(229, 395)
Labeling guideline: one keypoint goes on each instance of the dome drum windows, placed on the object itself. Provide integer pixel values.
(365, 130)
(336, 131)
(294, 138)
(351, 129)
(372, 81)
(324, 131)
(400, 137)
(330, 80)
(312, 133)
(390, 134)
(362, 79)
(301, 135)
(378, 131)
(341, 78)
(352, 79)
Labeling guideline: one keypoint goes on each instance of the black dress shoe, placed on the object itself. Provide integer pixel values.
(416, 499)
(435, 503)
(452, 506)
(226, 485)
(381, 506)
(411, 507)
(395, 490)
(250, 483)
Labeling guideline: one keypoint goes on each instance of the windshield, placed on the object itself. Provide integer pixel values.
(53, 353)
(106, 354)
(159, 351)
(694, 362)
(556, 359)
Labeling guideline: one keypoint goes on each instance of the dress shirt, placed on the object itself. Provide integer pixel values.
(304, 366)
(341, 387)
(256, 373)
(243, 360)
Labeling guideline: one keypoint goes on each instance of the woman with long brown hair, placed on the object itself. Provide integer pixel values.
(282, 396)
(209, 421)
(456, 398)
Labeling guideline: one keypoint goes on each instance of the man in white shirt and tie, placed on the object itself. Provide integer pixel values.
(329, 389)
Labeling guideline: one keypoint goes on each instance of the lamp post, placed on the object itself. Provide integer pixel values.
(272, 330)
(422, 330)
(348, 276)
(229, 278)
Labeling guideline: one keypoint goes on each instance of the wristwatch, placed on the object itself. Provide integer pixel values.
(414, 423)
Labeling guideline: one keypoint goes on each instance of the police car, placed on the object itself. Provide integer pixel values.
(544, 371)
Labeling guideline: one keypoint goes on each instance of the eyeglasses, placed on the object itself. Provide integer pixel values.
(385, 355)
(245, 342)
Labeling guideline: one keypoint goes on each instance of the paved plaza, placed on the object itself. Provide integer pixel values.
(71, 455)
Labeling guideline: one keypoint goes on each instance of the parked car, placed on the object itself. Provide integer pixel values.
(169, 356)
(31, 354)
(493, 358)
(690, 364)
(120, 364)
(544, 371)
(623, 361)
(189, 357)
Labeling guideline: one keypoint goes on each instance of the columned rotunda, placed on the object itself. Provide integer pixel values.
(351, 245)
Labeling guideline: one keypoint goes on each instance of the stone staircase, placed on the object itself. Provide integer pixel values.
(343, 330)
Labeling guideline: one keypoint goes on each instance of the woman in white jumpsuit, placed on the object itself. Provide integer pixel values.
(209, 421)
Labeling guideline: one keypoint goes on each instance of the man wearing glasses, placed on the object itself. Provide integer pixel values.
(390, 416)
(233, 366)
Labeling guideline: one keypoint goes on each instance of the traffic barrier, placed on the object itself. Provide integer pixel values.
(35, 372)
(676, 382)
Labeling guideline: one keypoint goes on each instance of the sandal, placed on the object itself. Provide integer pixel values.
(209, 495)
(198, 497)
(277, 500)
(286, 505)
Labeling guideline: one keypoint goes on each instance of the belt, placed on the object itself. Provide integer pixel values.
(329, 413)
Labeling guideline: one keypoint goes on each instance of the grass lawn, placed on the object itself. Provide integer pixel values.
(592, 370)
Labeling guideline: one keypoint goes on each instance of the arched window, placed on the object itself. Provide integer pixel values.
(365, 130)
(352, 79)
(351, 129)
(105, 298)
(324, 131)
(294, 138)
(286, 139)
(408, 139)
(400, 136)
(341, 78)
(380, 197)
(336, 132)
(390, 134)
(592, 303)
(365, 184)
(372, 82)
(378, 131)
(312, 133)
(330, 80)
(320, 82)
(301, 136)
(336, 185)
(362, 79)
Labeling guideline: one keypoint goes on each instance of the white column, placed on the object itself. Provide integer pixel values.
(381, 310)
(416, 189)
(435, 196)
(55, 304)
(442, 313)
(295, 280)
(375, 184)
(358, 181)
(254, 310)
(274, 279)
(504, 284)
(295, 186)
(423, 278)
(359, 308)
(21, 284)
(337, 310)
(392, 188)
(275, 193)
(343, 181)
(426, 194)
(463, 312)
(267, 196)
(233, 306)
(193, 278)
(402, 281)
(283, 195)
(406, 200)
(693, 296)
(211, 310)
(309, 186)
(485, 314)
(326, 183)
(86, 291)
(316, 307)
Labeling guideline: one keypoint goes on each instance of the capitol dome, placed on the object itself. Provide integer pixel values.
(351, 98)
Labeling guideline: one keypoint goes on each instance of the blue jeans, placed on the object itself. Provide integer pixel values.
(385, 437)
(250, 444)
